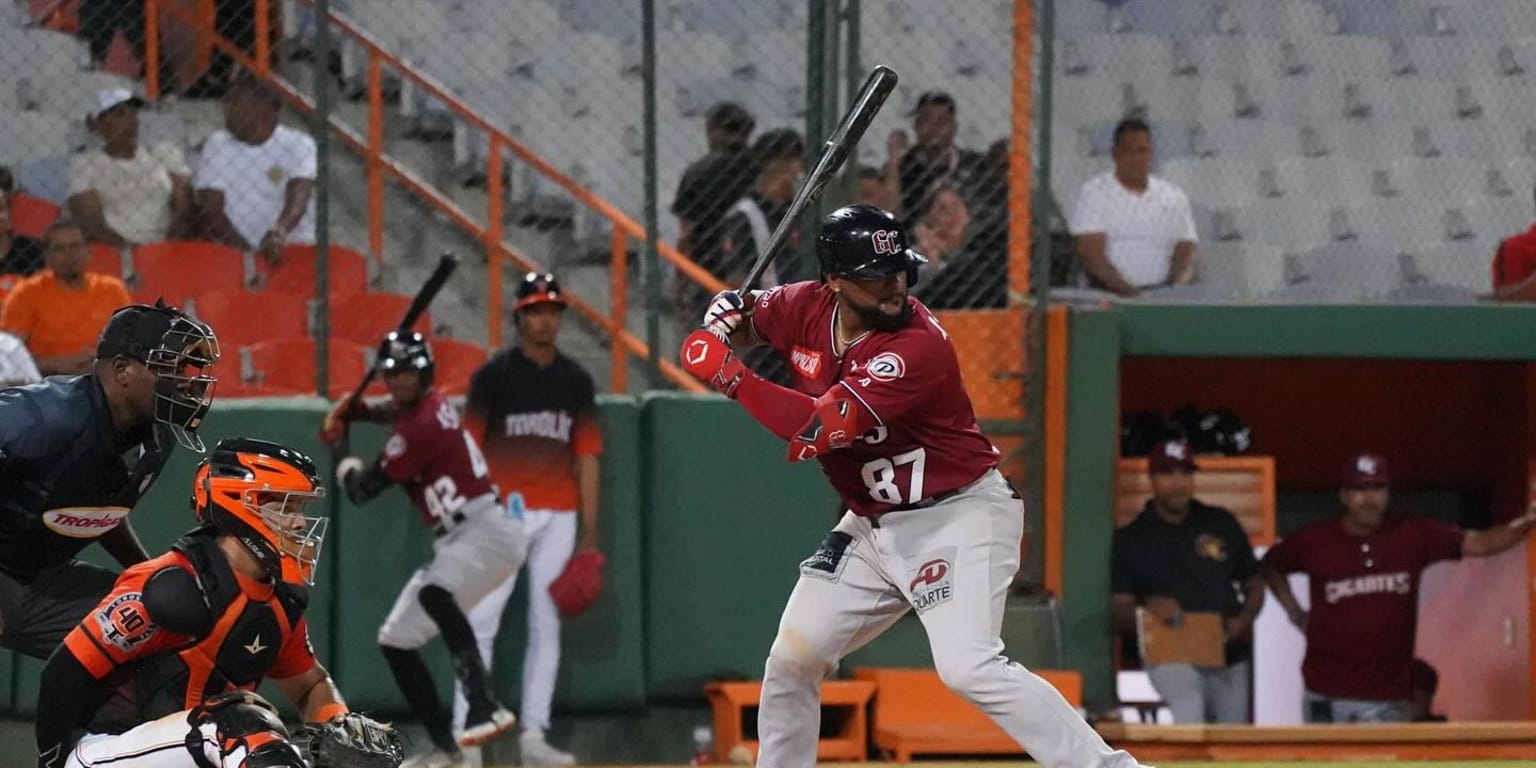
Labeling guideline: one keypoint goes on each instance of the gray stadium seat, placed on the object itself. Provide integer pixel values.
(1493, 19)
(1212, 181)
(1464, 265)
(1299, 100)
(34, 135)
(1404, 100)
(1277, 18)
(1239, 57)
(1478, 138)
(1177, 20)
(1505, 100)
(1495, 219)
(1453, 181)
(1253, 140)
(1335, 179)
(1452, 59)
(1371, 142)
(618, 19)
(1394, 226)
(1244, 269)
(1080, 18)
(1380, 18)
(1168, 100)
(1293, 222)
(1088, 100)
(46, 177)
(1344, 57)
(1369, 271)
(1126, 56)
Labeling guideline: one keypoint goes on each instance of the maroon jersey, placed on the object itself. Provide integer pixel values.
(435, 458)
(922, 440)
(1365, 601)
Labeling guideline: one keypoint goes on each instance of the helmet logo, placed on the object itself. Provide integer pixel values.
(884, 241)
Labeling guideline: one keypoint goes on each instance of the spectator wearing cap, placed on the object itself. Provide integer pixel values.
(1182, 556)
(713, 183)
(123, 194)
(1134, 230)
(934, 159)
(59, 312)
(1364, 569)
(256, 177)
(779, 156)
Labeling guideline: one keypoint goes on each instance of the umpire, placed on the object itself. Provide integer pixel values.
(1181, 555)
(76, 454)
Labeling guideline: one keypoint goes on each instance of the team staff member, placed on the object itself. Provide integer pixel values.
(535, 411)
(77, 453)
(1364, 570)
(1181, 555)
(932, 526)
(219, 613)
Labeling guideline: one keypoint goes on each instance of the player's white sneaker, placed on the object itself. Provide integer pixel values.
(477, 733)
(435, 759)
(536, 751)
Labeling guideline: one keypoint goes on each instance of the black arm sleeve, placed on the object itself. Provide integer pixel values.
(363, 485)
(67, 698)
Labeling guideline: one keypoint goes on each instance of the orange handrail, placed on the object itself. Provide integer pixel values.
(381, 163)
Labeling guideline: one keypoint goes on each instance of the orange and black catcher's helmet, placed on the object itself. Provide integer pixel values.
(265, 495)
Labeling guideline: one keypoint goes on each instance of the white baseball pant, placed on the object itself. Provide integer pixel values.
(953, 562)
(156, 744)
(468, 561)
(551, 540)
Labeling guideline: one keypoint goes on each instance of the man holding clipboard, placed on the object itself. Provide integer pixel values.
(1185, 579)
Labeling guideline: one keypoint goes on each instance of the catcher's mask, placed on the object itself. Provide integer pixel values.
(260, 493)
(179, 351)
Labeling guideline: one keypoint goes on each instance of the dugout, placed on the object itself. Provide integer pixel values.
(1447, 393)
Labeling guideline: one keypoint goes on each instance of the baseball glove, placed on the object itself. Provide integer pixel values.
(579, 584)
(352, 740)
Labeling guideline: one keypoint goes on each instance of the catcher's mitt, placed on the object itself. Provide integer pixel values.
(352, 740)
(579, 584)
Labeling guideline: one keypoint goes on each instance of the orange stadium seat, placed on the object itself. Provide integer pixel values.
(241, 317)
(366, 317)
(106, 260)
(178, 270)
(31, 216)
(287, 366)
(295, 271)
(456, 361)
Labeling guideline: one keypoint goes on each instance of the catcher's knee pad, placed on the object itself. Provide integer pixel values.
(243, 725)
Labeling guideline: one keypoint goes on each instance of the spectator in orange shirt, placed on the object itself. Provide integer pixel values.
(59, 312)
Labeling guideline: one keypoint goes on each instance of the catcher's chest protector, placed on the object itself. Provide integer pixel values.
(240, 644)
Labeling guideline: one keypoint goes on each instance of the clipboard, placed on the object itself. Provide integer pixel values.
(1198, 639)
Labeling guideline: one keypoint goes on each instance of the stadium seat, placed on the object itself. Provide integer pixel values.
(1176, 20)
(1487, 19)
(1404, 100)
(366, 317)
(1371, 142)
(456, 361)
(295, 271)
(287, 366)
(1126, 57)
(1235, 57)
(1298, 100)
(1341, 179)
(105, 260)
(1247, 140)
(31, 216)
(1348, 57)
(1370, 271)
(1455, 181)
(1465, 265)
(1213, 181)
(177, 270)
(1392, 226)
(1088, 100)
(1449, 59)
(1246, 269)
(1285, 19)
(240, 317)
(45, 177)
(1080, 18)
(1294, 222)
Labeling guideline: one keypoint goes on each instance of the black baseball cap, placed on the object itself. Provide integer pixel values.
(941, 98)
(133, 331)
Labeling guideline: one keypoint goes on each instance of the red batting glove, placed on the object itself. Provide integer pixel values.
(334, 426)
(709, 358)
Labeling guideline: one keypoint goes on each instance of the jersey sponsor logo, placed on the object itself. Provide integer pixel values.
(827, 561)
(806, 361)
(83, 522)
(886, 366)
(394, 448)
(933, 582)
(884, 241)
(124, 623)
(555, 425)
(1400, 583)
(1210, 547)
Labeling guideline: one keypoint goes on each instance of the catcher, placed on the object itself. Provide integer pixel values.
(160, 673)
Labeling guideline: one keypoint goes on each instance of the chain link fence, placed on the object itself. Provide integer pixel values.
(1330, 150)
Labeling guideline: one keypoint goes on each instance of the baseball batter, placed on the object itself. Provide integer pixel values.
(932, 526)
(223, 610)
(1367, 562)
(478, 544)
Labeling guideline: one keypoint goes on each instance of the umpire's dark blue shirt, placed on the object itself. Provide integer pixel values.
(65, 477)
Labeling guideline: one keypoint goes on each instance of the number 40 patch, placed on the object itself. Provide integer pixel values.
(124, 622)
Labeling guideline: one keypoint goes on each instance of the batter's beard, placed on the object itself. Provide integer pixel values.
(877, 319)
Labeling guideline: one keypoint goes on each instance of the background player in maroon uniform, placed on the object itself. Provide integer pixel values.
(535, 412)
(1364, 570)
(932, 526)
(220, 612)
(478, 544)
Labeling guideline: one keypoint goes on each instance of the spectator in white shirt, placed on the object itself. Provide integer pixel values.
(1133, 230)
(16, 365)
(256, 177)
(123, 194)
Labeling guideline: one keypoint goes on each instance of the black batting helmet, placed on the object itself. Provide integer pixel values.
(865, 243)
(538, 288)
(406, 351)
